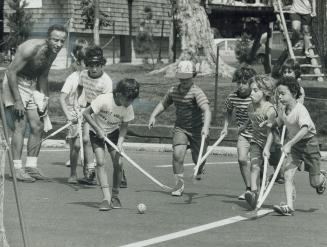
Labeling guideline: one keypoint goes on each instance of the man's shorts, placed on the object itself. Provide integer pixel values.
(307, 150)
(304, 19)
(190, 138)
(100, 143)
(25, 88)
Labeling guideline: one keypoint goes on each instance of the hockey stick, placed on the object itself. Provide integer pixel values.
(133, 163)
(263, 187)
(196, 168)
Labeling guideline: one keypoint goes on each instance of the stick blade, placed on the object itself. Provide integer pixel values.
(255, 214)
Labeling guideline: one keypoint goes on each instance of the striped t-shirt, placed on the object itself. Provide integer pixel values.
(93, 87)
(240, 107)
(188, 111)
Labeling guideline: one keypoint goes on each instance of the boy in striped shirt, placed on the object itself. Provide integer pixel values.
(238, 102)
(193, 118)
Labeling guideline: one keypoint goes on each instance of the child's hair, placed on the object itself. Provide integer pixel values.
(243, 74)
(79, 50)
(291, 64)
(128, 87)
(292, 84)
(266, 84)
(94, 54)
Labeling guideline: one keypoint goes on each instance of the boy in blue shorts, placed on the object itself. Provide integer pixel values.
(302, 144)
(238, 102)
(193, 118)
(108, 116)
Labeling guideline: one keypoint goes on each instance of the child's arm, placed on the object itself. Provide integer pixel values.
(313, 8)
(71, 116)
(227, 119)
(122, 134)
(207, 119)
(87, 115)
(157, 111)
(287, 147)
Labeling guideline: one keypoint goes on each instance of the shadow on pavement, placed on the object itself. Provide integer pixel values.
(87, 204)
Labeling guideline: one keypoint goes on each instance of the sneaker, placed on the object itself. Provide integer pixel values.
(72, 180)
(299, 45)
(90, 174)
(283, 209)
(35, 173)
(115, 202)
(104, 206)
(280, 180)
(321, 189)
(201, 171)
(67, 163)
(242, 196)
(251, 198)
(22, 176)
(123, 183)
(179, 189)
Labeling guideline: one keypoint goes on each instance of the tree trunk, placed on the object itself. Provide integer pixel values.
(96, 34)
(197, 40)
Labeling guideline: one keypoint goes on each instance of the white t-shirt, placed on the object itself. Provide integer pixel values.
(108, 115)
(296, 119)
(94, 87)
(301, 7)
(70, 88)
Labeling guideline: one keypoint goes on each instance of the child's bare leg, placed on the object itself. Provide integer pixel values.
(255, 172)
(102, 174)
(74, 151)
(289, 173)
(306, 37)
(243, 148)
(87, 147)
(117, 173)
(296, 27)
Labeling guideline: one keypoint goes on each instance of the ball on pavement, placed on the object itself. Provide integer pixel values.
(141, 208)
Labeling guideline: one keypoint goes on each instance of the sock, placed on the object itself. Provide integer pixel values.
(179, 177)
(18, 164)
(115, 192)
(91, 165)
(31, 161)
(248, 188)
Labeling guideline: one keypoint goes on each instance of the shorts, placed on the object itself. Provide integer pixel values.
(275, 154)
(25, 88)
(307, 150)
(72, 131)
(97, 142)
(190, 138)
(243, 147)
(256, 156)
(305, 19)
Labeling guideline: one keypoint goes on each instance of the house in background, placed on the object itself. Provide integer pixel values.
(68, 13)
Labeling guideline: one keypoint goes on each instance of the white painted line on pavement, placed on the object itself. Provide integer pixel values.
(196, 229)
(207, 163)
(54, 150)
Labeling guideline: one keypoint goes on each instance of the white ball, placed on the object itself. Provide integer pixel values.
(141, 208)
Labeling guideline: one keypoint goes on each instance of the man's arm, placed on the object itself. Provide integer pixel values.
(207, 119)
(22, 56)
(43, 83)
(313, 8)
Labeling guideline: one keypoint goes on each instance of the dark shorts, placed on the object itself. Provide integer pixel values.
(304, 19)
(100, 143)
(275, 154)
(190, 138)
(307, 150)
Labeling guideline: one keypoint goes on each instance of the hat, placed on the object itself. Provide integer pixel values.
(94, 55)
(185, 70)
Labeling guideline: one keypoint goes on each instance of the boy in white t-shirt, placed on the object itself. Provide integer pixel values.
(109, 115)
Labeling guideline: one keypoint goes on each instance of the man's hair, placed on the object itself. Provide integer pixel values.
(79, 49)
(293, 65)
(243, 74)
(94, 54)
(292, 84)
(128, 87)
(56, 27)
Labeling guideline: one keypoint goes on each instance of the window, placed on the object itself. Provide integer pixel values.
(32, 4)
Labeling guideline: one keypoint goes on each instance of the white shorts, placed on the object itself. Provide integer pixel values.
(25, 88)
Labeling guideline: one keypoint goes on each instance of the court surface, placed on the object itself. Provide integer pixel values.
(208, 214)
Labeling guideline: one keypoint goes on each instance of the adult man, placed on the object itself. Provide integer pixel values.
(25, 82)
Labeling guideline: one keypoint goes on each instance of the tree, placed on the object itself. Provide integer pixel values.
(94, 18)
(197, 40)
(19, 23)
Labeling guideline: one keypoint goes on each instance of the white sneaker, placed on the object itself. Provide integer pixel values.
(179, 190)
(67, 163)
(242, 196)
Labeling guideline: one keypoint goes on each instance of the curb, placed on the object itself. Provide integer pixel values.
(153, 147)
